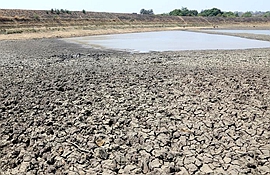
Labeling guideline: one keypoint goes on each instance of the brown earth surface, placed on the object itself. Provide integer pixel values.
(26, 24)
(65, 109)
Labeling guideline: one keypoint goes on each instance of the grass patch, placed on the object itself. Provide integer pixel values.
(8, 32)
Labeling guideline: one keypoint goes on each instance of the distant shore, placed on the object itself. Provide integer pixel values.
(69, 32)
(73, 32)
(33, 24)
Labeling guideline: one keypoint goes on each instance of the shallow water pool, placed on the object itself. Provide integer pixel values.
(167, 41)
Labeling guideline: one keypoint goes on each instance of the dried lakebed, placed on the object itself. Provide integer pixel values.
(71, 110)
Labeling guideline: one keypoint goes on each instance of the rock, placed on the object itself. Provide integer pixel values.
(227, 160)
(109, 165)
(198, 163)
(176, 134)
(207, 158)
(169, 157)
(233, 169)
(246, 171)
(183, 171)
(191, 168)
(59, 162)
(24, 166)
(264, 169)
(183, 140)
(206, 169)
(102, 153)
(121, 159)
(189, 160)
(27, 158)
(251, 165)
(129, 168)
(145, 167)
(154, 164)
(81, 172)
(265, 154)
(160, 153)
(100, 142)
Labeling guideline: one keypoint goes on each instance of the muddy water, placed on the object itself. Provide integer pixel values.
(168, 41)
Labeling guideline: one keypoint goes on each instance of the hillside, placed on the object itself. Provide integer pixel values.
(32, 21)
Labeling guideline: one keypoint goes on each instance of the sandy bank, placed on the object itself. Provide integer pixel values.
(76, 32)
(68, 32)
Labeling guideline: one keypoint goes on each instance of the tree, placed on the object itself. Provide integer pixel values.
(183, 12)
(193, 12)
(84, 12)
(247, 14)
(147, 12)
(211, 12)
(229, 14)
(267, 14)
(57, 11)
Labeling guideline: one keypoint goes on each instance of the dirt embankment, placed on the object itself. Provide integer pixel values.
(42, 23)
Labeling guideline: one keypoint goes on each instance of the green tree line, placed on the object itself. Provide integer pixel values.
(184, 11)
(208, 12)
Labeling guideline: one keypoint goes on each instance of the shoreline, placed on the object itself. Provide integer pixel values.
(72, 32)
(260, 37)
(69, 32)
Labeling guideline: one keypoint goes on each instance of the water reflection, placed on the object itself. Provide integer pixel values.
(257, 32)
(168, 41)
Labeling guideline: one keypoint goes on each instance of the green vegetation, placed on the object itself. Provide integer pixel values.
(146, 12)
(267, 14)
(211, 12)
(68, 12)
(14, 31)
(183, 12)
(84, 12)
(247, 14)
(230, 14)
(208, 12)
(58, 12)
(37, 17)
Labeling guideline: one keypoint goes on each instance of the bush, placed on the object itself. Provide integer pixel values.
(84, 12)
(267, 14)
(211, 12)
(146, 12)
(230, 14)
(183, 12)
(57, 11)
(247, 14)
(37, 17)
(67, 11)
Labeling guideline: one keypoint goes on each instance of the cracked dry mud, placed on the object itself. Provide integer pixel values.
(108, 112)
